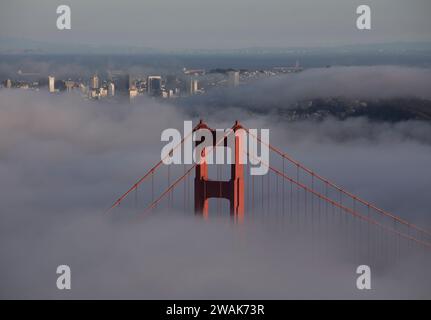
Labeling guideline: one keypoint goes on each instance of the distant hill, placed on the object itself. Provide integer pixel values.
(391, 110)
(387, 110)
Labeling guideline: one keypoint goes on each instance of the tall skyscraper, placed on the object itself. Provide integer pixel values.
(69, 85)
(51, 84)
(111, 89)
(192, 86)
(171, 82)
(121, 81)
(154, 85)
(8, 83)
(94, 82)
(132, 82)
(233, 78)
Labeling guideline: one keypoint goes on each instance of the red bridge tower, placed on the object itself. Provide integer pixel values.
(233, 189)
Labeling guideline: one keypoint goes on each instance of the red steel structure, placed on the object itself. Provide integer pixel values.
(232, 190)
(319, 198)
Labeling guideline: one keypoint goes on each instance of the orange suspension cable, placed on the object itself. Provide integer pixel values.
(158, 164)
(364, 202)
(346, 209)
(154, 203)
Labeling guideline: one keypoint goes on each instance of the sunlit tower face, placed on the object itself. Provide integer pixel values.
(94, 82)
(51, 84)
(111, 89)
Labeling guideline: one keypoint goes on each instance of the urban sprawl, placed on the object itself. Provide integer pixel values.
(187, 82)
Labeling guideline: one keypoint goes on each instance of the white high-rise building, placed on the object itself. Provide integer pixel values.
(233, 78)
(51, 84)
(111, 89)
(193, 86)
(94, 82)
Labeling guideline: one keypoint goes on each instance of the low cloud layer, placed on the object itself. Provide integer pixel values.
(367, 83)
(64, 160)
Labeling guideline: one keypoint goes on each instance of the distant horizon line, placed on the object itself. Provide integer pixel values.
(12, 45)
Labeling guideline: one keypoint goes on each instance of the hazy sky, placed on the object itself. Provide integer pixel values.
(220, 24)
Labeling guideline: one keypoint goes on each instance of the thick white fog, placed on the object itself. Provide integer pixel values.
(64, 160)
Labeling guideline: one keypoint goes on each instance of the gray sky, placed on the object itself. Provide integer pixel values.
(221, 24)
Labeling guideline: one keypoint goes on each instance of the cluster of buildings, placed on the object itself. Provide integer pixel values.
(119, 84)
(187, 82)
